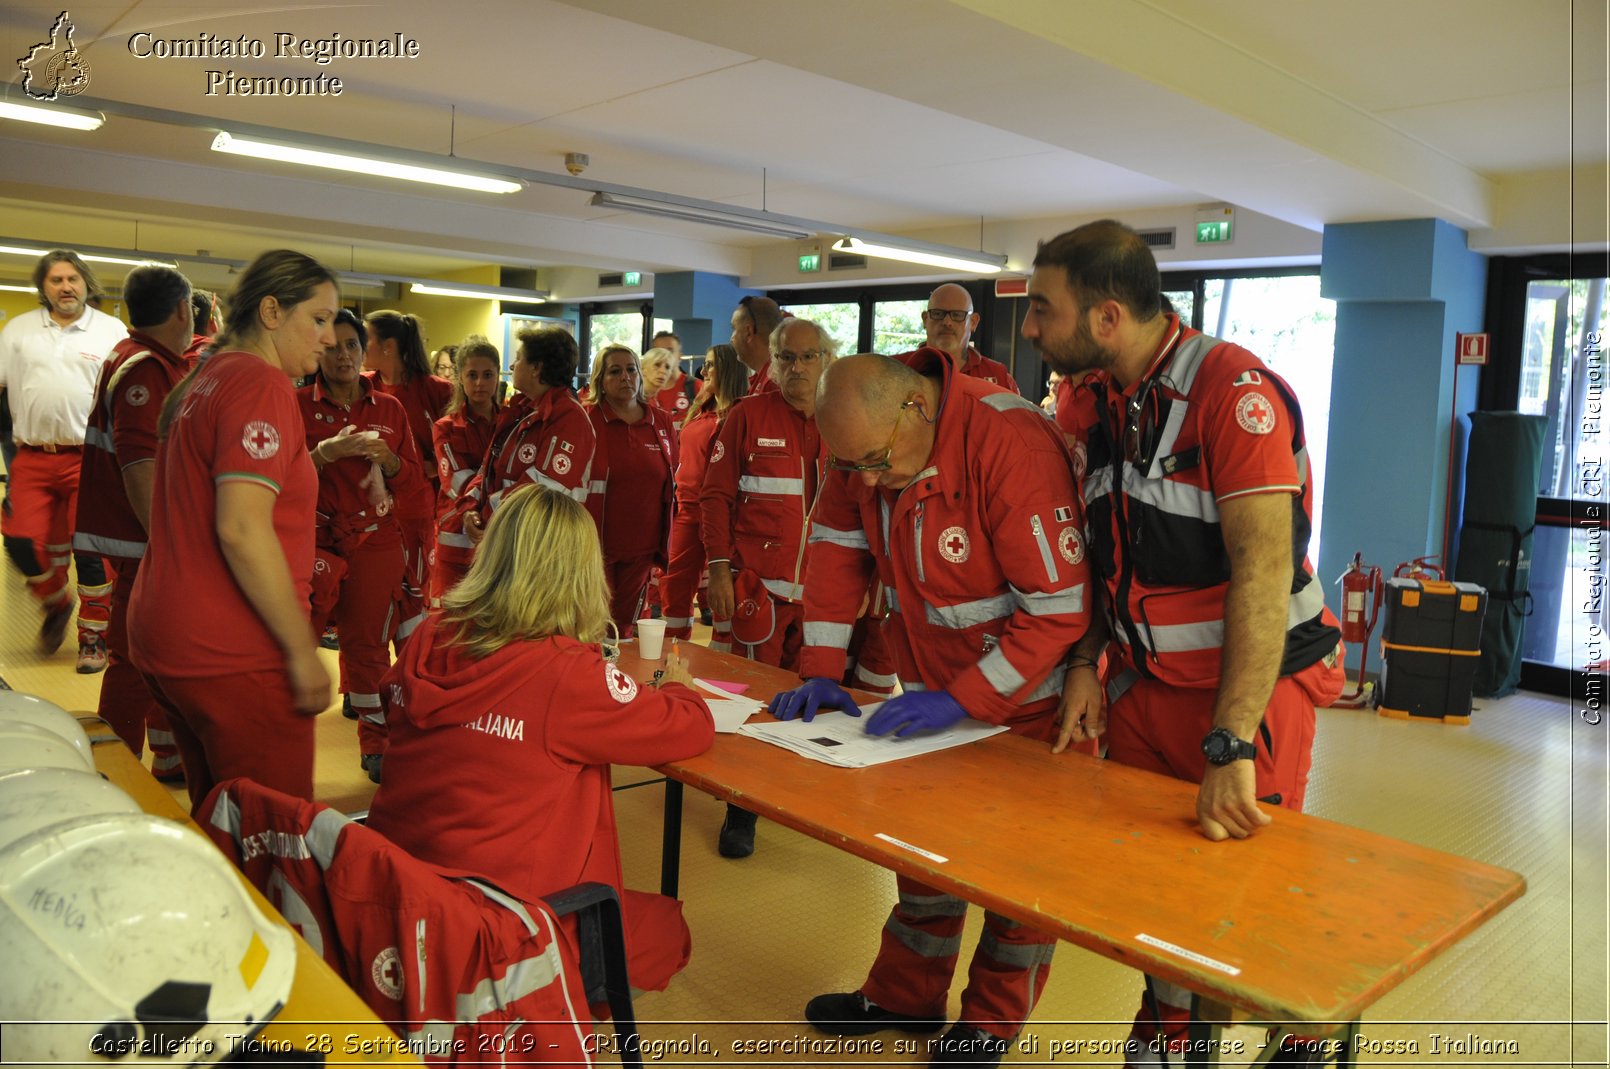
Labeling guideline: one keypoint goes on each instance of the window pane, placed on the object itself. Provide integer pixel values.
(1567, 624)
(612, 328)
(841, 321)
(1184, 302)
(897, 326)
(1286, 323)
(1562, 377)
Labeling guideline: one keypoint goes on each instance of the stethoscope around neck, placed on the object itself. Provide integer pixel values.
(1139, 437)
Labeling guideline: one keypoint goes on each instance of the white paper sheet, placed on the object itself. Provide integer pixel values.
(730, 714)
(836, 739)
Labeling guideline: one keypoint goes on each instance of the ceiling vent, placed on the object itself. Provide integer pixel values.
(617, 279)
(845, 261)
(1159, 238)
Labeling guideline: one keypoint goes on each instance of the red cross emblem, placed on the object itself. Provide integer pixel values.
(260, 439)
(953, 545)
(1255, 414)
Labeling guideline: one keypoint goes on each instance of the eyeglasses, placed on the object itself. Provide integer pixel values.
(882, 464)
(788, 359)
(939, 315)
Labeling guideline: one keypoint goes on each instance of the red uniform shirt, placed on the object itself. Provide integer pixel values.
(980, 556)
(424, 398)
(188, 618)
(344, 505)
(134, 382)
(461, 441)
(500, 764)
(762, 478)
(673, 397)
(631, 471)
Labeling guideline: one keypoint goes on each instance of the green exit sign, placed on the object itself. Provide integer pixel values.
(635, 278)
(1213, 232)
(810, 261)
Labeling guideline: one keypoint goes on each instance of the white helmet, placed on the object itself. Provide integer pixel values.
(36, 798)
(24, 745)
(18, 708)
(130, 938)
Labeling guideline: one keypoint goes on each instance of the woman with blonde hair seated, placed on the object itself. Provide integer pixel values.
(505, 718)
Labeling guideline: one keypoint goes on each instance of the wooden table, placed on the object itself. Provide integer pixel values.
(322, 1012)
(1308, 922)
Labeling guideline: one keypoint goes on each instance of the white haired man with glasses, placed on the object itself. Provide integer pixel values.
(960, 497)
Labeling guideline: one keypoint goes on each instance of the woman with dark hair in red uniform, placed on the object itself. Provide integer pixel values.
(505, 718)
(396, 355)
(725, 381)
(359, 440)
(542, 436)
(631, 488)
(218, 620)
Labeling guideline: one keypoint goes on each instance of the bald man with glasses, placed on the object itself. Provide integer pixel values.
(950, 321)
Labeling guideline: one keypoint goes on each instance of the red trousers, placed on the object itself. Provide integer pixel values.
(787, 636)
(419, 549)
(241, 724)
(43, 488)
(365, 612)
(126, 701)
(872, 662)
(682, 579)
(628, 582)
(918, 953)
(452, 564)
(1160, 728)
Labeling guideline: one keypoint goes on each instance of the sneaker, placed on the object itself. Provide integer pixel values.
(706, 619)
(852, 1014)
(346, 707)
(92, 657)
(330, 640)
(737, 833)
(966, 1045)
(371, 764)
(54, 629)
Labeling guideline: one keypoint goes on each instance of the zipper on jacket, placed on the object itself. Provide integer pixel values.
(921, 574)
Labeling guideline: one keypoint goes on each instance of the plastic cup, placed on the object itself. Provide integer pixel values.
(650, 639)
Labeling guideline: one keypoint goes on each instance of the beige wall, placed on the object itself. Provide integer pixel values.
(446, 320)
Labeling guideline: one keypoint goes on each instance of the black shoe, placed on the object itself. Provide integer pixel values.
(330, 640)
(371, 764)
(966, 1045)
(737, 833)
(346, 707)
(53, 631)
(850, 1014)
(706, 619)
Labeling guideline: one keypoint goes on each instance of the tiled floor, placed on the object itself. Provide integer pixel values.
(1523, 786)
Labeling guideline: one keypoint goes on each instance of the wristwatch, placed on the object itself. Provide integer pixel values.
(1221, 748)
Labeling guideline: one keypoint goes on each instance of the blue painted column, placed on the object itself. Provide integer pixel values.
(1402, 289)
(700, 305)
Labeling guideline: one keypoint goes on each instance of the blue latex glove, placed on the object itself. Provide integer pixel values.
(921, 710)
(805, 700)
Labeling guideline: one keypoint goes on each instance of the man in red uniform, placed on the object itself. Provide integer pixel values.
(50, 360)
(762, 478)
(1221, 636)
(753, 323)
(114, 483)
(960, 497)
(950, 321)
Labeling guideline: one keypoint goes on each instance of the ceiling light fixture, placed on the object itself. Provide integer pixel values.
(93, 257)
(923, 252)
(290, 152)
(688, 213)
(52, 115)
(479, 293)
(9, 288)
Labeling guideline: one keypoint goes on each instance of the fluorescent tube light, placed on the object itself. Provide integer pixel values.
(922, 252)
(287, 152)
(690, 214)
(479, 293)
(52, 115)
(19, 250)
(9, 288)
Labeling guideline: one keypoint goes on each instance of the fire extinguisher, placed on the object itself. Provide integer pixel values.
(1363, 591)
(1419, 568)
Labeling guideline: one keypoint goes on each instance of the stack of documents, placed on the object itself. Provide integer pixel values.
(836, 739)
(727, 709)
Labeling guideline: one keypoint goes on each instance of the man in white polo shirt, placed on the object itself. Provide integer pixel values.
(50, 360)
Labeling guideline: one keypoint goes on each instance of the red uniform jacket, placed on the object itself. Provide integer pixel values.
(981, 556)
(500, 765)
(763, 476)
(976, 366)
(461, 441)
(614, 516)
(122, 430)
(698, 438)
(424, 398)
(345, 513)
(465, 970)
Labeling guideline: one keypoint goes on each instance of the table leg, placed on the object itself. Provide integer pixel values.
(671, 840)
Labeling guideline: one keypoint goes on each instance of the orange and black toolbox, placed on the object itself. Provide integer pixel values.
(1429, 649)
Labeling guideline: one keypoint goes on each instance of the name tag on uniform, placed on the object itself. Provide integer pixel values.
(771, 443)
